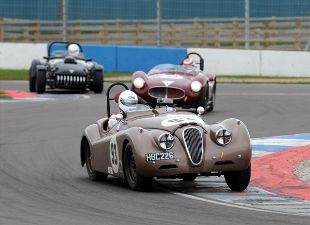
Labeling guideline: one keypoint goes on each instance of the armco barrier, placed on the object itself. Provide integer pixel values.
(130, 59)
(255, 62)
(103, 55)
(20, 55)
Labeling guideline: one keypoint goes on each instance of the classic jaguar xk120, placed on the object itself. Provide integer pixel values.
(143, 143)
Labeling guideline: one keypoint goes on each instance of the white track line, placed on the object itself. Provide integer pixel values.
(218, 202)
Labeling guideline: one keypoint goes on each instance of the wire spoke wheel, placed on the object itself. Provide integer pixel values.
(134, 180)
(89, 160)
(133, 169)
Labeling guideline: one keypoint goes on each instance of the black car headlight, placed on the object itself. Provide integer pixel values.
(166, 141)
(222, 137)
(52, 64)
(90, 65)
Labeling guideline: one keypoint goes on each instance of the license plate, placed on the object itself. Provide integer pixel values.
(165, 100)
(159, 156)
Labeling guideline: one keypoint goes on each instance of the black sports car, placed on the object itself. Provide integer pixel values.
(61, 69)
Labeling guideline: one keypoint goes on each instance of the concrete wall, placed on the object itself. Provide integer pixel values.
(19, 56)
(130, 59)
(255, 62)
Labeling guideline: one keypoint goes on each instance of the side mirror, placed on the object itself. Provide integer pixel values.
(200, 110)
(119, 117)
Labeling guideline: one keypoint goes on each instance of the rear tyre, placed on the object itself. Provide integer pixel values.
(238, 180)
(134, 180)
(40, 81)
(189, 176)
(98, 81)
(33, 74)
(93, 175)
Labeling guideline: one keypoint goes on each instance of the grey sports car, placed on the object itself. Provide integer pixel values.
(147, 143)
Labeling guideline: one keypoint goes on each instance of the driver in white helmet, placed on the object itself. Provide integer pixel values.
(127, 101)
(189, 64)
(73, 50)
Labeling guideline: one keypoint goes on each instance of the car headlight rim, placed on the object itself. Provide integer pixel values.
(223, 137)
(196, 86)
(166, 141)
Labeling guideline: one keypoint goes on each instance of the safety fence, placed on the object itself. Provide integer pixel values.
(285, 33)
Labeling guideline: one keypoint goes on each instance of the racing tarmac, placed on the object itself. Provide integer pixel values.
(42, 182)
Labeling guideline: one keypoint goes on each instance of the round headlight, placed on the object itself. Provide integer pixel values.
(52, 64)
(166, 141)
(196, 86)
(223, 137)
(138, 83)
(89, 65)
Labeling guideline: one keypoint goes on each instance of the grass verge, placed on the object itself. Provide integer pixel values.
(9, 74)
(4, 95)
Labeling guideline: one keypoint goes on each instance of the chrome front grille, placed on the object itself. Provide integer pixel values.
(166, 92)
(70, 80)
(194, 144)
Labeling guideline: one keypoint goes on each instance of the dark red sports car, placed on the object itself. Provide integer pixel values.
(185, 85)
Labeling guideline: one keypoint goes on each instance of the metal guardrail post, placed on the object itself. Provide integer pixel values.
(158, 13)
(64, 20)
(247, 23)
(307, 47)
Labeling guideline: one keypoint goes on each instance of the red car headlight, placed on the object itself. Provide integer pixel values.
(138, 82)
(196, 86)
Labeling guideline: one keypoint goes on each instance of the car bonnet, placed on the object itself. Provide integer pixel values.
(166, 121)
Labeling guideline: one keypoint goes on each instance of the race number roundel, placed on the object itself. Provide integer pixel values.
(114, 157)
(172, 121)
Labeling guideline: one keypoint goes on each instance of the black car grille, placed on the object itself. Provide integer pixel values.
(193, 143)
(70, 80)
(166, 92)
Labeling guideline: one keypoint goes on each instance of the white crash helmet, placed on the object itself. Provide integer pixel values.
(127, 99)
(189, 64)
(74, 50)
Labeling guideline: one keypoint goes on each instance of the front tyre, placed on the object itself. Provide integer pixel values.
(33, 74)
(40, 81)
(134, 180)
(98, 81)
(212, 102)
(93, 175)
(203, 100)
(238, 180)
